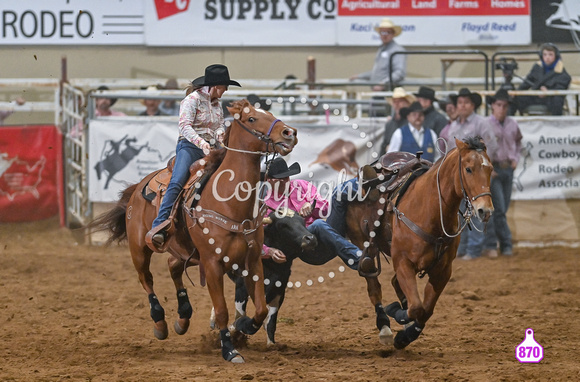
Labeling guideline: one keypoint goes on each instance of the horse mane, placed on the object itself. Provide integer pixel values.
(475, 143)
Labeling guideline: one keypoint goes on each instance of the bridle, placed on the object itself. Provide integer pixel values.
(468, 214)
(258, 134)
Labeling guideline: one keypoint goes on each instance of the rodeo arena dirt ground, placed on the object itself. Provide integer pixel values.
(73, 312)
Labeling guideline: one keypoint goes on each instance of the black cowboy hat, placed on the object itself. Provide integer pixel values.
(415, 106)
(279, 169)
(103, 87)
(465, 92)
(215, 74)
(427, 93)
(254, 100)
(500, 95)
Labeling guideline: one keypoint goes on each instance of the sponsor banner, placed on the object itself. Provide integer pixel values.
(555, 21)
(433, 7)
(263, 22)
(30, 165)
(72, 22)
(338, 22)
(122, 152)
(549, 167)
(235, 23)
(442, 31)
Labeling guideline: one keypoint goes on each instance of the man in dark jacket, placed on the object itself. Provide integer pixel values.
(547, 74)
(433, 119)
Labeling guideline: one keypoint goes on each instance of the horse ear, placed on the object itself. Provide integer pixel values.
(460, 144)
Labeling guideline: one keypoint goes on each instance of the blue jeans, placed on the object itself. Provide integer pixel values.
(185, 154)
(501, 193)
(341, 195)
(330, 244)
(471, 241)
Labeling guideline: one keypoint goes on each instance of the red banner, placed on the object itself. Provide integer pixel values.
(390, 8)
(30, 172)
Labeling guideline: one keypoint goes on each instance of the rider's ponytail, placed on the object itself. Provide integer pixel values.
(191, 88)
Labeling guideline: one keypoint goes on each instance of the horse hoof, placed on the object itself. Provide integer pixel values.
(160, 330)
(233, 356)
(238, 359)
(386, 336)
(181, 328)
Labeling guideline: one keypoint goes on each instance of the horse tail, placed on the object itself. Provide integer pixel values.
(113, 221)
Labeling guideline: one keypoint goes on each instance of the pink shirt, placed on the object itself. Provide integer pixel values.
(300, 192)
(509, 139)
(198, 111)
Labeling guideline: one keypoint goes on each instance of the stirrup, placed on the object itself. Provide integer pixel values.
(157, 238)
(366, 265)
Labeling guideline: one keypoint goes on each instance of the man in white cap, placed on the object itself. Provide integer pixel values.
(387, 31)
(399, 100)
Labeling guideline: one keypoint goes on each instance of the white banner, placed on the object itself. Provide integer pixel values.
(549, 167)
(72, 22)
(263, 22)
(122, 152)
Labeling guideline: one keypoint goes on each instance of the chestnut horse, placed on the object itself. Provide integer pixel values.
(420, 231)
(223, 232)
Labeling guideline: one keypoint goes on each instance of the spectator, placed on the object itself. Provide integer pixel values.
(547, 74)
(257, 102)
(103, 106)
(505, 160)
(303, 197)
(449, 108)
(468, 123)
(151, 105)
(200, 119)
(399, 100)
(170, 107)
(387, 31)
(6, 113)
(433, 119)
(414, 136)
(451, 111)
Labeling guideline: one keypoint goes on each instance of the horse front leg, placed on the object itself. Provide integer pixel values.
(141, 257)
(438, 279)
(215, 285)
(414, 316)
(375, 293)
(399, 292)
(184, 308)
(255, 287)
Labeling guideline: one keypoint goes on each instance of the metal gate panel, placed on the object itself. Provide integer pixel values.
(73, 124)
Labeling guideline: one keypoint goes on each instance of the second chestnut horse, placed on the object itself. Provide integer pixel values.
(420, 231)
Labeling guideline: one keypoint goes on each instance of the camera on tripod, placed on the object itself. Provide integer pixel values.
(507, 66)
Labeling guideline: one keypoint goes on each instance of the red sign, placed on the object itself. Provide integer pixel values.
(166, 8)
(30, 166)
(390, 8)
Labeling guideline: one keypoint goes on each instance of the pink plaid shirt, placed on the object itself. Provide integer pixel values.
(197, 111)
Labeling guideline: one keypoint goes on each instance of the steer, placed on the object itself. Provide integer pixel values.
(284, 230)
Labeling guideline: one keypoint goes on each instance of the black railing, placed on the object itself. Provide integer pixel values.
(452, 51)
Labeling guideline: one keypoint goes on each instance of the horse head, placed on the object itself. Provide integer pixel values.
(269, 131)
(475, 175)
